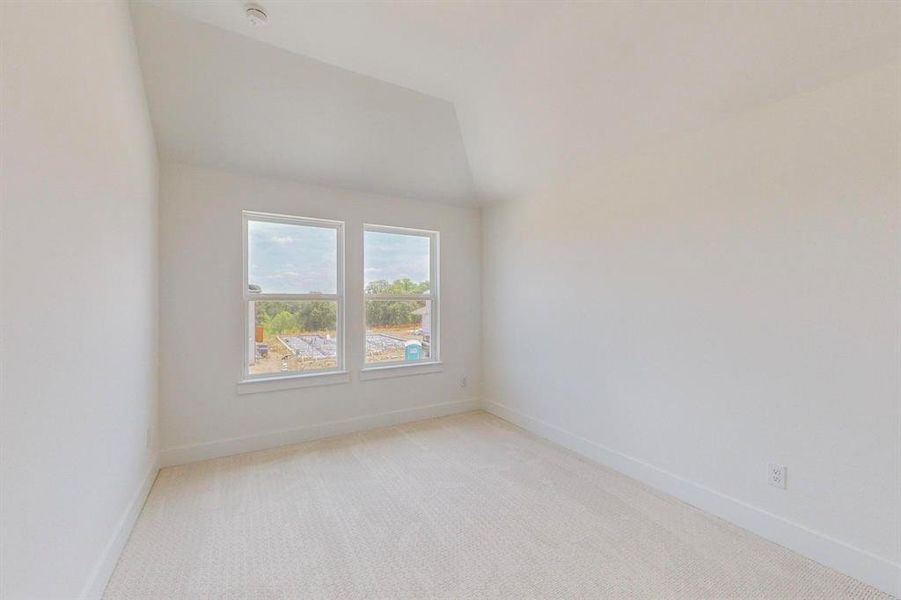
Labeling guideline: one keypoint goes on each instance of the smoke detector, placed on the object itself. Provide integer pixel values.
(256, 15)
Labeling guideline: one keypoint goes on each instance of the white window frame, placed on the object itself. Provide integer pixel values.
(433, 296)
(338, 297)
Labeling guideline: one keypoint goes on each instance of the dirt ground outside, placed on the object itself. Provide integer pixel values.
(403, 333)
(281, 358)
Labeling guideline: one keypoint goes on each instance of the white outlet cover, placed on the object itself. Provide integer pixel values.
(776, 475)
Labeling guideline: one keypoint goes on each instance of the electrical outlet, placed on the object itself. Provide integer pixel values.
(464, 381)
(776, 475)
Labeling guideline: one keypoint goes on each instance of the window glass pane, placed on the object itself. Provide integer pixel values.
(398, 330)
(288, 337)
(285, 258)
(395, 263)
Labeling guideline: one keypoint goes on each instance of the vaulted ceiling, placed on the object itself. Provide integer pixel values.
(471, 102)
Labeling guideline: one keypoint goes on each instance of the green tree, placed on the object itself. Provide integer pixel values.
(317, 315)
(394, 312)
(279, 317)
(283, 322)
(398, 286)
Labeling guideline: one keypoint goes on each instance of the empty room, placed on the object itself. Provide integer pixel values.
(450, 300)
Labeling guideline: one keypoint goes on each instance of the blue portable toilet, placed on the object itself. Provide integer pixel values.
(413, 350)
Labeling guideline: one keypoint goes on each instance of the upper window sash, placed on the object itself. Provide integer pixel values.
(432, 236)
(338, 226)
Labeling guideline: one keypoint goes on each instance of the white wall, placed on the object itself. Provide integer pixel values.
(79, 296)
(201, 319)
(723, 300)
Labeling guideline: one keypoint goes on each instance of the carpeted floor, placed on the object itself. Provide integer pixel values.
(460, 507)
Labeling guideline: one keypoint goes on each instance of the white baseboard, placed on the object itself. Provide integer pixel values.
(104, 567)
(826, 550)
(273, 439)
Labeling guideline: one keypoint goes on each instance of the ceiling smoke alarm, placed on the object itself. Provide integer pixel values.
(256, 15)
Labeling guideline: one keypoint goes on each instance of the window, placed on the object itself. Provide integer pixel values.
(293, 295)
(400, 276)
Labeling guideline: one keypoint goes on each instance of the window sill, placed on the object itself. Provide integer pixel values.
(400, 370)
(288, 382)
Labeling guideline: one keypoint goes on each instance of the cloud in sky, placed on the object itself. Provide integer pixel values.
(285, 258)
(298, 259)
(392, 256)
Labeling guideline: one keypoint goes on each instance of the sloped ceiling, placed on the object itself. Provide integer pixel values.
(540, 88)
(222, 99)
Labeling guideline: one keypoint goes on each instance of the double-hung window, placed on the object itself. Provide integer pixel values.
(400, 279)
(293, 295)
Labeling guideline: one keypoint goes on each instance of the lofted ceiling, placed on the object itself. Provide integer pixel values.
(224, 100)
(538, 88)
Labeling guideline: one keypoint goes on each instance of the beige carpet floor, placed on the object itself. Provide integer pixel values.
(459, 507)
